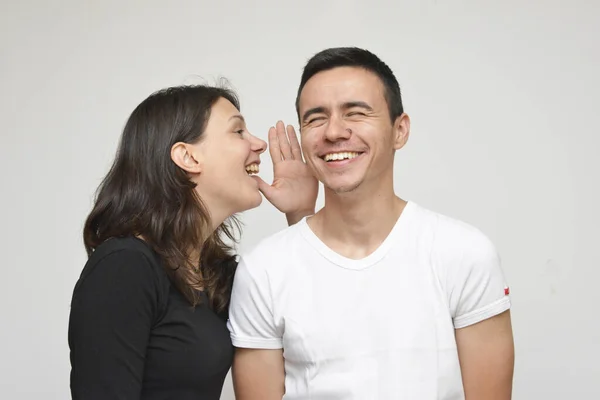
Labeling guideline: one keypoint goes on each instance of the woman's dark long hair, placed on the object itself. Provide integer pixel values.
(147, 195)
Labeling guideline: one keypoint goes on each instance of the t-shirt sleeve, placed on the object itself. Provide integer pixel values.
(112, 312)
(475, 283)
(251, 319)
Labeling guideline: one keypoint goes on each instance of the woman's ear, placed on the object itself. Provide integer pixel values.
(186, 157)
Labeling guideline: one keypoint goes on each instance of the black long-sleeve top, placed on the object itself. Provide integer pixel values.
(132, 335)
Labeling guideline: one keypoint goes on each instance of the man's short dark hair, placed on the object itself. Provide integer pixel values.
(354, 57)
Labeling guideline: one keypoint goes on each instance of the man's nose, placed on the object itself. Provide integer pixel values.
(337, 129)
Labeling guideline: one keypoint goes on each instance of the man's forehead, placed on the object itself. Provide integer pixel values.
(340, 86)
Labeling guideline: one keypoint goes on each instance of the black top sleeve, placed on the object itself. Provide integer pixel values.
(114, 307)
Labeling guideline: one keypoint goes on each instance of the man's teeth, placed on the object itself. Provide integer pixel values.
(252, 169)
(340, 156)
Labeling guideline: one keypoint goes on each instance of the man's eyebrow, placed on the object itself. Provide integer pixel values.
(360, 104)
(315, 110)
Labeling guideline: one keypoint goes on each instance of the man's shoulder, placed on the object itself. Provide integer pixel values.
(275, 244)
(453, 235)
(269, 256)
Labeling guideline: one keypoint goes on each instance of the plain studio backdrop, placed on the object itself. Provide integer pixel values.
(503, 98)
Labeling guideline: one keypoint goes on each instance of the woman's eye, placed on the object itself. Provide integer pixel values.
(240, 132)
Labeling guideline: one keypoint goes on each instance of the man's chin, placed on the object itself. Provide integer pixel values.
(342, 188)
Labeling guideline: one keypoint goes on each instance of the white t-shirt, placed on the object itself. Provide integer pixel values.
(381, 327)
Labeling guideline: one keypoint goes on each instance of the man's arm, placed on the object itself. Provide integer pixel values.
(258, 367)
(479, 303)
(295, 217)
(258, 374)
(486, 355)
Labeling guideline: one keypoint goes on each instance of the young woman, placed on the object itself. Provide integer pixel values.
(148, 314)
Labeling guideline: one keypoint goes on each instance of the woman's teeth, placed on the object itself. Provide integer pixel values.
(340, 156)
(252, 169)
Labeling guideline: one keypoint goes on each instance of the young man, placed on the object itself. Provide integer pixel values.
(373, 297)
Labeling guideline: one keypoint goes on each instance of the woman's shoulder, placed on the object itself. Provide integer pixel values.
(129, 247)
(124, 261)
(125, 244)
(123, 278)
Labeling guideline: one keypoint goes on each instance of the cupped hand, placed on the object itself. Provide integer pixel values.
(294, 189)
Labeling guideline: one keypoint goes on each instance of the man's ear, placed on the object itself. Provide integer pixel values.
(401, 131)
(186, 157)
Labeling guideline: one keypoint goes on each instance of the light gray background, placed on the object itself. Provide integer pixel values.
(503, 97)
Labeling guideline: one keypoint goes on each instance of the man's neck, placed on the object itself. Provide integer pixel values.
(355, 224)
